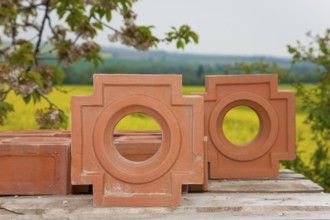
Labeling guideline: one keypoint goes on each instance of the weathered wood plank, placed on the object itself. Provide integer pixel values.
(264, 186)
(291, 176)
(294, 198)
(194, 206)
(281, 176)
(286, 171)
(287, 182)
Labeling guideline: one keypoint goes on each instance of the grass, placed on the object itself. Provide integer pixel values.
(240, 125)
(24, 116)
(238, 120)
(137, 121)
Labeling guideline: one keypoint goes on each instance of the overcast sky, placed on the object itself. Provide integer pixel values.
(232, 27)
(244, 27)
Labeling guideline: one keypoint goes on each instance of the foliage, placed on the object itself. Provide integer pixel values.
(192, 67)
(259, 67)
(24, 63)
(316, 102)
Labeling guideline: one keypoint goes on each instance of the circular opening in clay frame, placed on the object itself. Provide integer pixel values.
(122, 168)
(241, 125)
(267, 133)
(137, 137)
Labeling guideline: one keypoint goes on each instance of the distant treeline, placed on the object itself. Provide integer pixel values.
(193, 67)
(193, 73)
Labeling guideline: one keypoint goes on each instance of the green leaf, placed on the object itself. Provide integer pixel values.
(93, 9)
(64, 120)
(27, 99)
(180, 44)
(194, 36)
(7, 106)
(23, 55)
(35, 97)
(108, 15)
(36, 77)
(98, 25)
(58, 74)
(29, 57)
(61, 9)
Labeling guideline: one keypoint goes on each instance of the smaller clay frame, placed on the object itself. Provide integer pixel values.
(276, 138)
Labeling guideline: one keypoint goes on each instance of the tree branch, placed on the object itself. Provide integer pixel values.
(32, 6)
(105, 24)
(32, 25)
(41, 30)
(4, 94)
(79, 35)
(50, 25)
(76, 39)
(32, 38)
(51, 104)
(13, 30)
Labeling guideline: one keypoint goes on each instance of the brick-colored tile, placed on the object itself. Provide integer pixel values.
(118, 181)
(276, 138)
(34, 165)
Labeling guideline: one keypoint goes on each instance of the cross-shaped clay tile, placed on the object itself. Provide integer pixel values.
(116, 180)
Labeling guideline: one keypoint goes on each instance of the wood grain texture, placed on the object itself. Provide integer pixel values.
(194, 206)
(288, 197)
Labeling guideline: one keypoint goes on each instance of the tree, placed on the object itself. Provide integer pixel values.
(316, 101)
(200, 72)
(260, 67)
(25, 64)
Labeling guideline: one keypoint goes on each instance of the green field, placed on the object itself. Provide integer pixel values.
(239, 127)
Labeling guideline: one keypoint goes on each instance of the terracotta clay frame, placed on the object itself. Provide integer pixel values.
(35, 133)
(121, 182)
(276, 138)
(34, 165)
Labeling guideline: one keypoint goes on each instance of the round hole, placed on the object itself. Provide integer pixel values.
(137, 137)
(241, 125)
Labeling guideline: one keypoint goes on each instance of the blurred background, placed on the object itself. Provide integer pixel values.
(49, 50)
